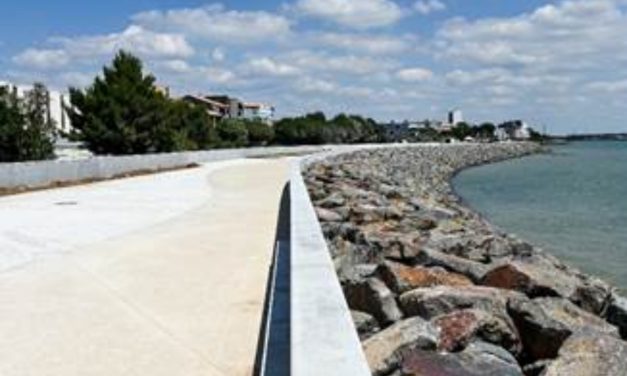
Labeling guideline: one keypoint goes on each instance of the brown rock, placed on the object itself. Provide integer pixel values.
(459, 328)
(535, 276)
(401, 278)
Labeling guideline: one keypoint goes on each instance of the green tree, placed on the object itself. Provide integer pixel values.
(461, 131)
(26, 131)
(259, 133)
(233, 133)
(122, 112)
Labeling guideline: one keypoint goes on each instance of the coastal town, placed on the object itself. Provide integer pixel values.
(222, 108)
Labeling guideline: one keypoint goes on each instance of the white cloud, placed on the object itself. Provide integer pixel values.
(357, 14)
(218, 75)
(134, 38)
(175, 66)
(218, 54)
(367, 43)
(42, 58)
(429, 6)
(315, 85)
(569, 35)
(218, 24)
(268, 66)
(610, 87)
(414, 74)
(310, 61)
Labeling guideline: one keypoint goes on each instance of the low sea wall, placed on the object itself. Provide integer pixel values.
(37, 174)
(430, 285)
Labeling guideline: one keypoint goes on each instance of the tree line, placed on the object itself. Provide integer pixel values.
(123, 112)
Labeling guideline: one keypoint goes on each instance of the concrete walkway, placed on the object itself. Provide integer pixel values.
(155, 275)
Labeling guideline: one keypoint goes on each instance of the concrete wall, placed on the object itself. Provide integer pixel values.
(323, 338)
(43, 173)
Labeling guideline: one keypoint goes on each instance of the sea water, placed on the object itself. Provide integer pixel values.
(571, 202)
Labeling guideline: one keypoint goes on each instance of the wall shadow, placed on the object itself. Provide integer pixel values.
(273, 348)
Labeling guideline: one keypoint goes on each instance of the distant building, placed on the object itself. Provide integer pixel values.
(57, 102)
(259, 111)
(224, 107)
(397, 132)
(513, 130)
(455, 117)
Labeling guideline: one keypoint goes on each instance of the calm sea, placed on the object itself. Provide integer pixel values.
(572, 203)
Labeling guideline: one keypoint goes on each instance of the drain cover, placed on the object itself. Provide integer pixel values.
(66, 203)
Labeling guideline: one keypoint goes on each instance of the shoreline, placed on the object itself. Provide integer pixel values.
(431, 281)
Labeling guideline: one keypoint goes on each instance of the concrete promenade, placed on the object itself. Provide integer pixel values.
(154, 275)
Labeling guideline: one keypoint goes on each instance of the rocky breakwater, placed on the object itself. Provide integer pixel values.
(434, 289)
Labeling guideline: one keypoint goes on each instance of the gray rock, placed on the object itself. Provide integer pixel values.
(326, 215)
(440, 300)
(473, 270)
(593, 295)
(590, 353)
(476, 361)
(617, 314)
(335, 200)
(545, 323)
(373, 297)
(355, 272)
(392, 245)
(365, 324)
(385, 350)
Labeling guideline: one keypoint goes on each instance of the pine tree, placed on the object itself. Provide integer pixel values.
(122, 112)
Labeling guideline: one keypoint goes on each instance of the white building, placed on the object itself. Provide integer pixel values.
(455, 117)
(513, 130)
(259, 111)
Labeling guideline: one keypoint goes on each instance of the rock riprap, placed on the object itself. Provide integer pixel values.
(435, 289)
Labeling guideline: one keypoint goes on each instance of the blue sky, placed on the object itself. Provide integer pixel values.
(562, 64)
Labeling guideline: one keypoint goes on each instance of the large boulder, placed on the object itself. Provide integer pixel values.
(477, 360)
(372, 296)
(535, 276)
(459, 328)
(471, 269)
(440, 300)
(617, 314)
(545, 323)
(385, 350)
(391, 245)
(590, 353)
(327, 215)
(401, 278)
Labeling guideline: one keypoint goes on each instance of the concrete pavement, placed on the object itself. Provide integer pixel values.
(154, 275)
